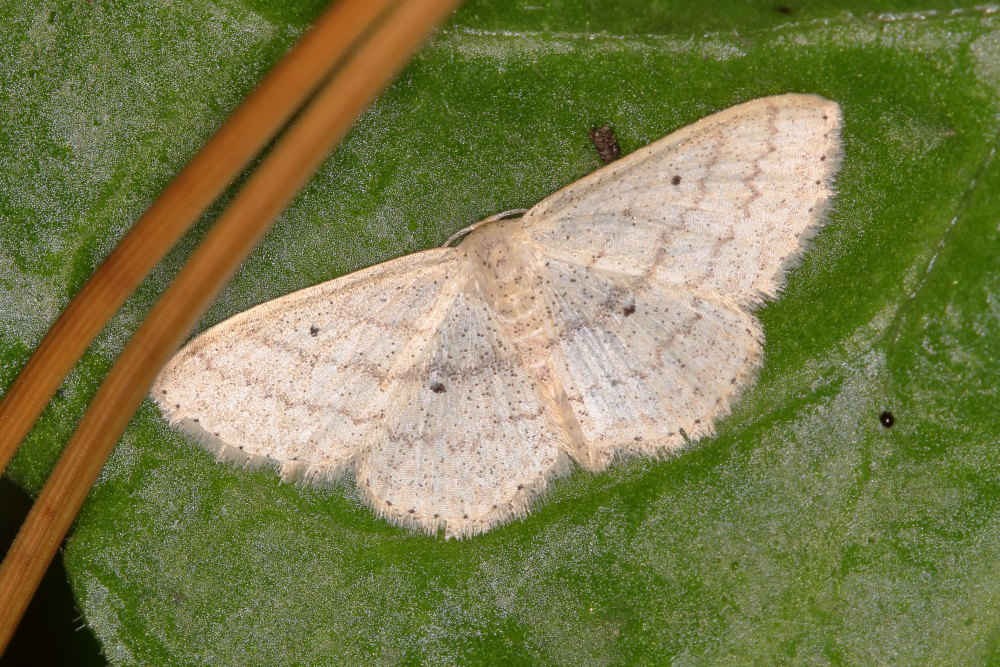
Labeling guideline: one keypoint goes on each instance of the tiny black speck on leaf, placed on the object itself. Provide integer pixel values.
(887, 419)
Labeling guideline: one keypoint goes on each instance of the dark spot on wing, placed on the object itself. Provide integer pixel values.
(313, 330)
(438, 388)
(628, 310)
(676, 180)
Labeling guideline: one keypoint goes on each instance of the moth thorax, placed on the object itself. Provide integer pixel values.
(503, 269)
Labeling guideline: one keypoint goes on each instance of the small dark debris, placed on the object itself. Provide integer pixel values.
(887, 419)
(314, 331)
(606, 143)
(784, 9)
(628, 310)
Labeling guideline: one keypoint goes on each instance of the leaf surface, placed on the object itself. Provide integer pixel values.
(805, 531)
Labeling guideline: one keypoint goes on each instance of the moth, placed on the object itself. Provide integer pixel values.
(612, 319)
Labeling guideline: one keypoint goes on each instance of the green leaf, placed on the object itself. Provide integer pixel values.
(804, 531)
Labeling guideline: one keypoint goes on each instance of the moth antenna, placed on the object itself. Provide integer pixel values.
(493, 218)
